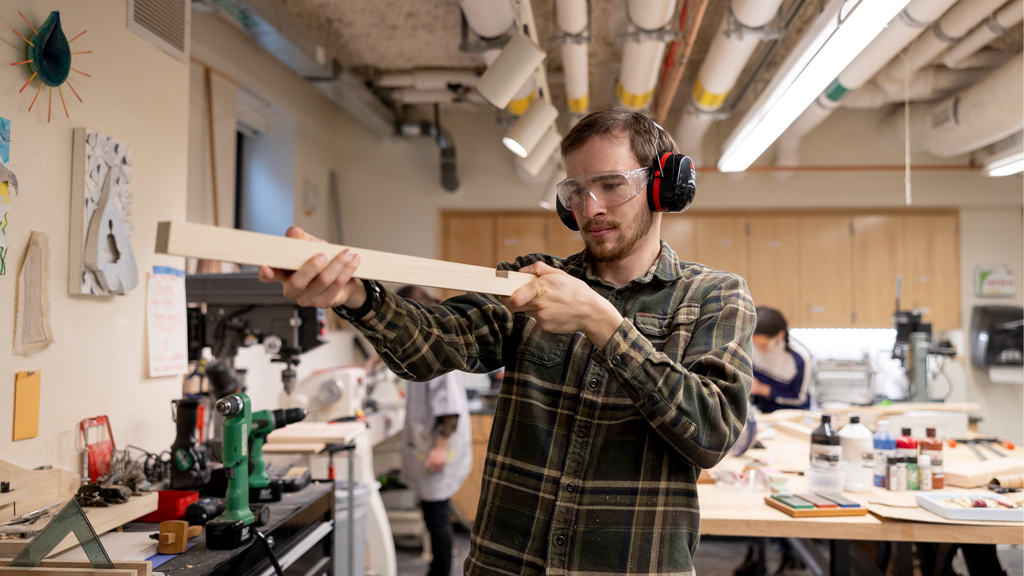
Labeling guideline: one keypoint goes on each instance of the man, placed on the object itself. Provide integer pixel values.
(626, 372)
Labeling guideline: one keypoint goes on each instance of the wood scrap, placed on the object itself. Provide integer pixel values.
(77, 567)
(242, 247)
(793, 429)
(974, 474)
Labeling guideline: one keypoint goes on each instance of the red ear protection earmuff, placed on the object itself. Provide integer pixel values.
(671, 187)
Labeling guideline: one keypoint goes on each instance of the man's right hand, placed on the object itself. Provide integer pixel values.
(320, 282)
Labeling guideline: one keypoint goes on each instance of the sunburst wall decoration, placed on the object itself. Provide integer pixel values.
(48, 55)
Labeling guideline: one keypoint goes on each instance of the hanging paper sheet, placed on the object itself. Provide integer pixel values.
(8, 181)
(166, 325)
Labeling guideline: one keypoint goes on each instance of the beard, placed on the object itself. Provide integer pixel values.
(633, 233)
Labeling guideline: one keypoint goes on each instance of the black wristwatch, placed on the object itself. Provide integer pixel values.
(371, 304)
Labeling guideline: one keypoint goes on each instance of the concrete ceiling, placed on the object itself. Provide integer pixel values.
(393, 35)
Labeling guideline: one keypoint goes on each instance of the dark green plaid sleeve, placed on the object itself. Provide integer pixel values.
(699, 404)
(420, 343)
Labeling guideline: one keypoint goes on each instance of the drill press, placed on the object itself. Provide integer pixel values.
(261, 487)
(234, 527)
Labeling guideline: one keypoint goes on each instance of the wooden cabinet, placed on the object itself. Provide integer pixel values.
(931, 281)
(467, 239)
(562, 242)
(518, 235)
(467, 498)
(722, 243)
(773, 263)
(877, 259)
(679, 231)
(824, 272)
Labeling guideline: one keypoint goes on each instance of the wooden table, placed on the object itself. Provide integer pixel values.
(732, 511)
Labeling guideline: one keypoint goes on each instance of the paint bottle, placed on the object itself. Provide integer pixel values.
(892, 480)
(925, 464)
(826, 451)
(901, 473)
(885, 446)
(913, 474)
(906, 445)
(932, 447)
(858, 455)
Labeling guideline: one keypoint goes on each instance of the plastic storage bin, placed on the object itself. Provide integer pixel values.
(825, 481)
(361, 502)
(171, 505)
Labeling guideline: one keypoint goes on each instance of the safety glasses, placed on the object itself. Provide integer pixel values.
(607, 188)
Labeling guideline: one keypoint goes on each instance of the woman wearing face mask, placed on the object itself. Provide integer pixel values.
(782, 367)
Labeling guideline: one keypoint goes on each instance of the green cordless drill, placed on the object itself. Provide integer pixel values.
(235, 526)
(261, 487)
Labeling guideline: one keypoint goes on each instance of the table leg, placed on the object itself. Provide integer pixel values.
(351, 513)
(760, 553)
(839, 557)
(809, 553)
(902, 559)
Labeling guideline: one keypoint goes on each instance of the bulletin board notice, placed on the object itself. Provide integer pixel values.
(166, 323)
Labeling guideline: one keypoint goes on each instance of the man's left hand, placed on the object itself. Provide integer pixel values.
(563, 304)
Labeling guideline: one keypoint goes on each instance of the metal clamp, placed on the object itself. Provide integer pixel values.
(771, 31)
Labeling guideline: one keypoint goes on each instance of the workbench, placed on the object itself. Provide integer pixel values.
(301, 525)
(734, 511)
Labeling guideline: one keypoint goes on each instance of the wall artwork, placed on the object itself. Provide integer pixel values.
(8, 181)
(100, 260)
(48, 55)
(32, 331)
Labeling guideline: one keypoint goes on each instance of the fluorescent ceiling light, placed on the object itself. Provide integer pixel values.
(1006, 166)
(842, 31)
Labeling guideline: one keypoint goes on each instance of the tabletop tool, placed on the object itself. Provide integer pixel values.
(987, 443)
(913, 347)
(203, 510)
(97, 442)
(190, 468)
(261, 487)
(234, 527)
(174, 535)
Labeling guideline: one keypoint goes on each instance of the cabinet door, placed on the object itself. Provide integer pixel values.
(680, 232)
(562, 241)
(773, 264)
(824, 272)
(931, 283)
(518, 235)
(468, 239)
(468, 496)
(722, 243)
(877, 257)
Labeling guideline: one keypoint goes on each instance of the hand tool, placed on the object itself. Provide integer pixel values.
(987, 443)
(174, 535)
(189, 468)
(202, 511)
(33, 516)
(261, 487)
(234, 527)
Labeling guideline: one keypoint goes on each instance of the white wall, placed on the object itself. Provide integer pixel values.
(97, 365)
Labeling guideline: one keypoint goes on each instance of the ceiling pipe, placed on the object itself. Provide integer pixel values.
(985, 113)
(952, 27)
(643, 51)
(573, 18)
(449, 169)
(988, 58)
(928, 84)
(428, 79)
(901, 31)
(742, 29)
(996, 26)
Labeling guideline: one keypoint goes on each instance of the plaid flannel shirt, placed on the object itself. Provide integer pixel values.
(594, 454)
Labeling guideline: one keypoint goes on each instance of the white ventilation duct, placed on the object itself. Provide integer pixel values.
(928, 84)
(734, 43)
(573, 20)
(983, 114)
(643, 52)
(957, 22)
(428, 79)
(996, 26)
(900, 32)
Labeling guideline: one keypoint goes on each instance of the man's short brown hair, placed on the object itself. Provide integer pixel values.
(646, 138)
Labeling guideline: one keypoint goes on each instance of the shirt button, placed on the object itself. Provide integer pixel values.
(582, 432)
(570, 488)
(560, 540)
(593, 383)
(616, 296)
(616, 360)
(652, 400)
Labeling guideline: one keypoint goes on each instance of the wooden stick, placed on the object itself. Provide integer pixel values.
(677, 73)
(36, 96)
(23, 38)
(68, 82)
(61, 92)
(49, 106)
(82, 73)
(82, 52)
(22, 62)
(34, 31)
(27, 83)
(239, 246)
(77, 37)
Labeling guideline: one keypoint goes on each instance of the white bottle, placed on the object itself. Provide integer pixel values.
(858, 455)
(924, 462)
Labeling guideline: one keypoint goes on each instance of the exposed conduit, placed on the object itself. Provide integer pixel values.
(996, 26)
(573, 20)
(643, 52)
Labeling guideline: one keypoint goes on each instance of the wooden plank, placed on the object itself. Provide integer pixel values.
(722, 243)
(824, 273)
(877, 258)
(974, 474)
(773, 264)
(133, 568)
(932, 279)
(814, 512)
(467, 239)
(326, 432)
(33, 489)
(293, 447)
(793, 429)
(242, 247)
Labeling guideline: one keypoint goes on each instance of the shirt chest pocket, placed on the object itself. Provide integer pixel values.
(544, 348)
(669, 333)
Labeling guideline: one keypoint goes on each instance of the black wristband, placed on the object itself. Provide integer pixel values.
(371, 304)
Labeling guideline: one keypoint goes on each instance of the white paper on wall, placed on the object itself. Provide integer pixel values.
(166, 323)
